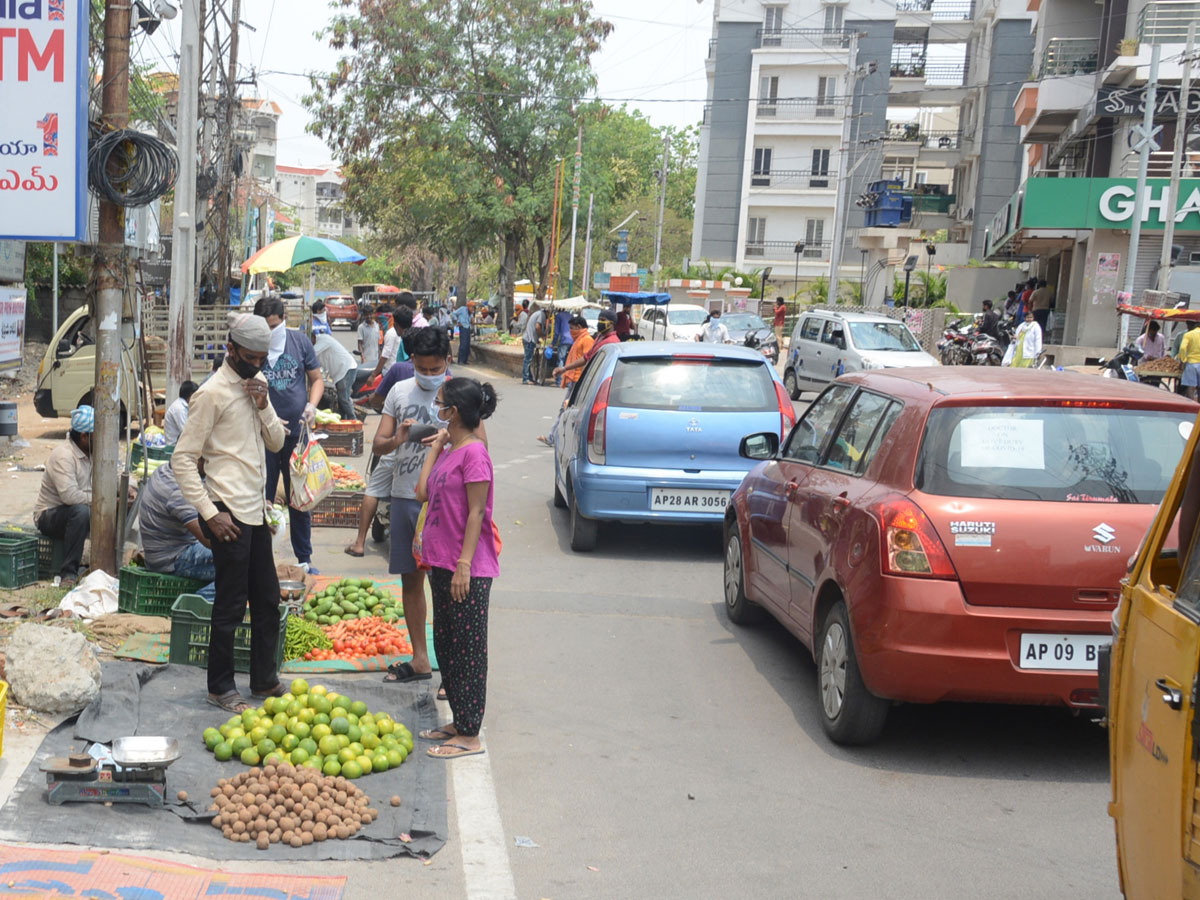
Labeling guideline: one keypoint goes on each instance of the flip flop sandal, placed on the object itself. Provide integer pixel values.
(462, 751)
(441, 692)
(402, 673)
(14, 611)
(231, 701)
(278, 691)
(350, 552)
(437, 734)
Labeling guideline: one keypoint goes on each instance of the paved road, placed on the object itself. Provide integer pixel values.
(619, 692)
(651, 749)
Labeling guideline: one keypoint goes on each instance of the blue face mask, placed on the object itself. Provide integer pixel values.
(429, 382)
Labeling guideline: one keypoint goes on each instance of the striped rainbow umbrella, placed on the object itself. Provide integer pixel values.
(296, 251)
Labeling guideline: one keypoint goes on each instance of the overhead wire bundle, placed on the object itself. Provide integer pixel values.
(145, 168)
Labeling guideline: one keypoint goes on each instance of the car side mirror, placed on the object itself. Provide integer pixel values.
(64, 348)
(839, 342)
(763, 445)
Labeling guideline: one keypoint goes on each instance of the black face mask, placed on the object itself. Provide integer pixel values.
(243, 368)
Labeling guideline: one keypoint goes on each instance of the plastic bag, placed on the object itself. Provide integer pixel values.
(417, 532)
(312, 479)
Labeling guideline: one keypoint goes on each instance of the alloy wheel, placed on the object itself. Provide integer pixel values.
(733, 570)
(833, 670)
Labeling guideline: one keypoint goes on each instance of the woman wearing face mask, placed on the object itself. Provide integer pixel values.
(459, 544)
(411, 402)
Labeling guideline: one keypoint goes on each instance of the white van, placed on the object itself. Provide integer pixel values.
(826, 344)
(67, 373)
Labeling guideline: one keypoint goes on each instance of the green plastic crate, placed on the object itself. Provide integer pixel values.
(49, 562)
(18, 560)
(151, 593)
(191, 616)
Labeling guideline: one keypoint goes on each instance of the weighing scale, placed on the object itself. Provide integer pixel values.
(138, 773)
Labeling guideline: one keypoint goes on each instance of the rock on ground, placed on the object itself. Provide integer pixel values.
(51, 669)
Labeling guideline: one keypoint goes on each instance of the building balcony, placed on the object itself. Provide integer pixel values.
(793, 180)
(786, 250)
(940, 73)
(1166, 21)
(799, 108)
(933, 204)
(1049, 108)
(1068, 56)
(911, 133)
(940, 10)
(802, 39)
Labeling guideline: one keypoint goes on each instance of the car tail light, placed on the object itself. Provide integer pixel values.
(787, 413)
(597, 423)
(910, 546)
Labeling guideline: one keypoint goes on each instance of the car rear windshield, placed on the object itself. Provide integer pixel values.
(1080, 455)
(883, 336)
(693, 385)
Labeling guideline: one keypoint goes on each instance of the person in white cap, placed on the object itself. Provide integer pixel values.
(232, 426)
(64, 503)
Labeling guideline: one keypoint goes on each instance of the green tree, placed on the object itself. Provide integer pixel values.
(493, 85)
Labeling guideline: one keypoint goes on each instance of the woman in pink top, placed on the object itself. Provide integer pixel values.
(458, 542)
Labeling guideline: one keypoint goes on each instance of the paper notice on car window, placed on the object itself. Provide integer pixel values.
(1002, 443)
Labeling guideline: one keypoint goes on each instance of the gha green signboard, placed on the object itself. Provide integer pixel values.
(1106, 203)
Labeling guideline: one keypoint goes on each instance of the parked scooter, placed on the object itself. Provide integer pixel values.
(1115, 367)
(987, 350)
(954, 349)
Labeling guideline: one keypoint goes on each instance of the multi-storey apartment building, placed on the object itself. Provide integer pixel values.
(1078, 109)
(315, 198)
(809, 102)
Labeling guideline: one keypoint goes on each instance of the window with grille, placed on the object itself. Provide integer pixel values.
(762, 167)
(833, 25)
(756, 228)
(772, 26)
(768, 93)
(819, 174)
(814, 238)
(826, 92)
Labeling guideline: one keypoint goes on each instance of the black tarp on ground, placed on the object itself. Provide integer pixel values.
(137, 699)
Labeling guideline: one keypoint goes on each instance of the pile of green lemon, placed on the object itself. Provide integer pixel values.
(313, 729)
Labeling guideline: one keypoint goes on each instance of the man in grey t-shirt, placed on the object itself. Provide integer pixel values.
(535, 327)
(411, 402)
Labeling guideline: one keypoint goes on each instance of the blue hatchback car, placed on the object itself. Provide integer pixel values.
(652, 430)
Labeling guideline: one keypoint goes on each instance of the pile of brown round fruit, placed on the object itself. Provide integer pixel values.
(288, 805)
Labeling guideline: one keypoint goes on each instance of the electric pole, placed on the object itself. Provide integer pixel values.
(587, 249)
(844, 172)
(574, 211)
(183, 243)
(232, 104)
(111, 275)
(662, 205)
(1181, 132)
(1139, 192)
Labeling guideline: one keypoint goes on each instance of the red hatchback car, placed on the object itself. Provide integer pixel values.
(951, 533)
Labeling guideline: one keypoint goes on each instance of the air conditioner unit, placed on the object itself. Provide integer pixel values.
(1194, 258)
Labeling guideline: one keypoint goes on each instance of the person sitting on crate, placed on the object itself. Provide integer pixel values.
(64, 503)
(232, 426)
(172, 539)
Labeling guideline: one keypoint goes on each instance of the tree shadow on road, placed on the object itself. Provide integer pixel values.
(970, 740)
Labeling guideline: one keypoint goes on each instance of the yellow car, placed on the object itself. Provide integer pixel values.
(1154, 735)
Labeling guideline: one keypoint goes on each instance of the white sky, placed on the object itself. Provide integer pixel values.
(655, 52)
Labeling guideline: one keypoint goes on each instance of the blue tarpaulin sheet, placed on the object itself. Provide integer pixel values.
(643, 297)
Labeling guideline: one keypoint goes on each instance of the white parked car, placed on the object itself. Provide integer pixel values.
(671, 322)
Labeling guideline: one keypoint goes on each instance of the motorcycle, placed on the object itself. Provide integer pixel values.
(987, 350)
(763, 341)
(954, 349)
(1115, 367)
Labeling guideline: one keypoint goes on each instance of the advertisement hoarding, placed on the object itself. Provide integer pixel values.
(12, 327)
(43, 130)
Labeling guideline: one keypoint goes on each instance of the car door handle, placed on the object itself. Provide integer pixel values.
(841, 502)
(1171, 695)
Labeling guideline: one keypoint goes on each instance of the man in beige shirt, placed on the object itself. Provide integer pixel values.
(64, 502)
(231, 426)
(1040, 301)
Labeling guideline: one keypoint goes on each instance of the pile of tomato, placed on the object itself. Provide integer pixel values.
(358, 638)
